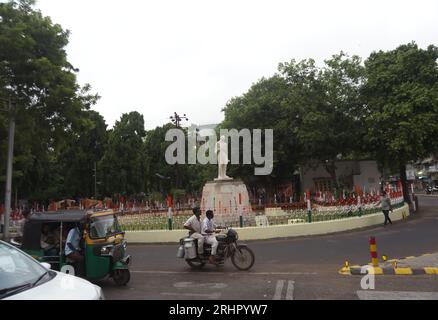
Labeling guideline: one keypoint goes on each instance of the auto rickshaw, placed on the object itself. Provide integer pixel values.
(102, 242)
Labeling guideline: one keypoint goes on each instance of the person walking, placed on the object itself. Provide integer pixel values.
(386, 207)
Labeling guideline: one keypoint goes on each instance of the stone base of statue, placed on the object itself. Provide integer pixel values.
(223, 179)
(226, 196)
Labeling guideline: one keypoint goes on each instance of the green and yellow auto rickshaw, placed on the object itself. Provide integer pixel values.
(102, 242)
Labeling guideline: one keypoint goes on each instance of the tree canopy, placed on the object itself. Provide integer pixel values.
(50, 104)
(384, 108)
(401, 94)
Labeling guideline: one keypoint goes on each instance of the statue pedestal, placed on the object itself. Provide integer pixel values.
(223, 179)
(225, 197)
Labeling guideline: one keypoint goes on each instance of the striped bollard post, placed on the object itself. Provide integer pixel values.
(373, 251)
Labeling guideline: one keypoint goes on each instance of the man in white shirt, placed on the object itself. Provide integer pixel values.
(208, 231)
(193, 224)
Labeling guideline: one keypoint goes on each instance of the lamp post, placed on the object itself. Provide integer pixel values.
(176, 119)
(96, 183)
(169, 201)
(10, 108)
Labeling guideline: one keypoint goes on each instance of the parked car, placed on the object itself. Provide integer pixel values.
(24, 278)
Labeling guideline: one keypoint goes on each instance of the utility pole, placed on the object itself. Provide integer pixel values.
(8, 188)
(95, 180)
(176, 120)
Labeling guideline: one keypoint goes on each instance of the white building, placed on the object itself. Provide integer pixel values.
(349, 173)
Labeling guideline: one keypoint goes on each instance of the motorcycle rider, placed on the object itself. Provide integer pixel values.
(208, 230)
(193, 224)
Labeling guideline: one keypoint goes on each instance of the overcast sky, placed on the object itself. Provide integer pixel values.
(157, 57)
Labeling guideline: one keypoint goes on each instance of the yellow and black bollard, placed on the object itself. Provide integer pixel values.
(373, 250)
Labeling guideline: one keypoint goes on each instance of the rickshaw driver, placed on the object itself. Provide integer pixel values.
(72, 249)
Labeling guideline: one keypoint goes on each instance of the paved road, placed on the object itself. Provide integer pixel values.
(297, 268)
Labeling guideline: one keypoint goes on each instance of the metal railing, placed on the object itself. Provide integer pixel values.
(268, 216)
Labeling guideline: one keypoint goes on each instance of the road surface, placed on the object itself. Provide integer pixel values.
(288, 269)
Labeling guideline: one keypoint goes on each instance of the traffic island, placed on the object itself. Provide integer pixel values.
(278, 231)
(421, 265)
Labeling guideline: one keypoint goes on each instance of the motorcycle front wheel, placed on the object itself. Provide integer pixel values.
(243, 258)
(195, 264)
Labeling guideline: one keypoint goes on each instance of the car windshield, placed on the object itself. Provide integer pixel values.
(104, 226)
(17, 269)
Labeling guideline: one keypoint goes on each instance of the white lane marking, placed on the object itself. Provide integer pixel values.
(278, 290)
(396, 295)
(290, 290)
(222, 273)
(212, 296)
(200, 285)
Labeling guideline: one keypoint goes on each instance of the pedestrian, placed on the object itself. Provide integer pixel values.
(385, 201)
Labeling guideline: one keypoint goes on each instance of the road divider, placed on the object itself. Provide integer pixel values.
(424, 264)
(363, 270)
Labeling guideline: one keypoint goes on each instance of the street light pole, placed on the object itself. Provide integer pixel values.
(95, 180)
(176, 120)
(8, 189)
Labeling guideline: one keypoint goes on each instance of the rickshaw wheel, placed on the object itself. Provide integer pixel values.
(121, 277)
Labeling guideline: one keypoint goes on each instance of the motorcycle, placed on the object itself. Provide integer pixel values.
(431, 190)
(241, 256)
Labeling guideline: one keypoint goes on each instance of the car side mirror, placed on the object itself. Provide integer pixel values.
(46, 265)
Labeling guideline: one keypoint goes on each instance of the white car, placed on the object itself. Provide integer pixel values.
(24, 278)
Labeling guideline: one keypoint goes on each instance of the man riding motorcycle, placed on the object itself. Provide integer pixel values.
(218, 248)
(193, 224)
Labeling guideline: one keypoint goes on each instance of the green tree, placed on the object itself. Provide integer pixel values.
(401, 91)
(79, 156)
(328, 105)
(122, 168)
(266, 105)
(315, 114)
(162, 177)
(35, 72)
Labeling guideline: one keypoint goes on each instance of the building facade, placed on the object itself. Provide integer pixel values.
(349, 173)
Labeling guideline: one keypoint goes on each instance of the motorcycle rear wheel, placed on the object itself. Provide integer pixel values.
(195, 264)
(243, 258)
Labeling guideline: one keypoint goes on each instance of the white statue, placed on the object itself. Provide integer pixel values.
(221, 149)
